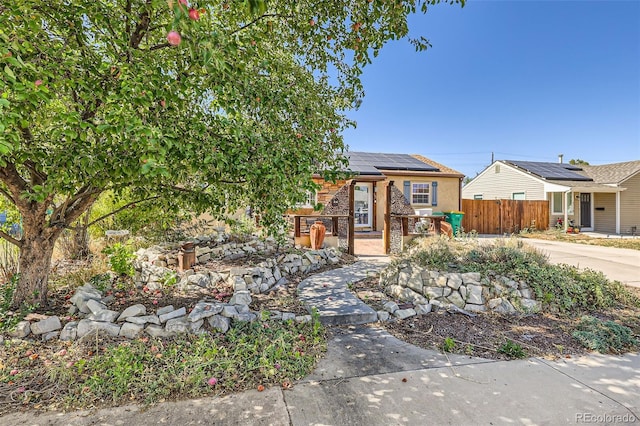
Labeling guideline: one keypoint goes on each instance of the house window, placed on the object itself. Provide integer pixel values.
(557, 205)
(477, 196)
(518, 196)
(420, 193)
(310, 200)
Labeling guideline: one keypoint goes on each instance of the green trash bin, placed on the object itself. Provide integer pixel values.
(455, 219)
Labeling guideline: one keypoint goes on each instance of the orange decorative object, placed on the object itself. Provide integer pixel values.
(316, 232)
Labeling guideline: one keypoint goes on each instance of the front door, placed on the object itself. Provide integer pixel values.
(363, 200)
(585, 210)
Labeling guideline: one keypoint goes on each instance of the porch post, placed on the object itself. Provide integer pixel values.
(386, 231)
(565, 206)
(351, 220)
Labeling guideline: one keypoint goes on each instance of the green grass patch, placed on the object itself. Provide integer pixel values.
(103, 372)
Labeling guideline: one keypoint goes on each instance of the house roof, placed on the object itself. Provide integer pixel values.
(613, 173)
(552, 171)
(444, 169)
(376, 164)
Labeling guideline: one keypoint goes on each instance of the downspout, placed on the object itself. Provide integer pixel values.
(460, 194)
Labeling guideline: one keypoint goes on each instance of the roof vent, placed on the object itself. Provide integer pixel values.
(560, 156)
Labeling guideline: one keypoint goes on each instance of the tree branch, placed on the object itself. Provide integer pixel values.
(144, 20)
(126, 206)
(7, 195)
(9, 238)
(259, 18)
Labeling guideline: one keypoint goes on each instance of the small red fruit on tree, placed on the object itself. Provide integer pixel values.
(312, 22)
(174, 38)
(194, 14)
(38, 83)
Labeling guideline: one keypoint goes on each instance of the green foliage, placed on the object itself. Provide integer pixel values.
(243, 227)
(512, 350)
(448, 345)
(604, 336)
(561, 288)
(269, 353)
(121, 259)
(10, 318)
(101, 282)
(242, 112)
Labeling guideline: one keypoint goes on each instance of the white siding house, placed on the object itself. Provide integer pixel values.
(603, 198)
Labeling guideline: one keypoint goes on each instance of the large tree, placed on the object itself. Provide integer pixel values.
(217, 103)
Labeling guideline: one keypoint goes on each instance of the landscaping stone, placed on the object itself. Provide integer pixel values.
(404, 313)
(390, 307)
(456, 299)
(50, 336)
(383, 316)
(70, 331)
(204, 310)
(131, 330)
(474, 294)
(173, 314)
(22, 330)
(219, 323)
(286, 316)
(474, 308)
(157, 331)
(165, 310)
(133, 311)
(530, 305)
(46, 325)
(104, 315)
(229, 311)
(177, 325)
(144, 319)
(87, 326)
(242, 297)
(423, 309)
(303, 318)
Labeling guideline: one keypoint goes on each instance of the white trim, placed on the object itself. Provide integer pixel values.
(370, 211)
(428, 194)
(618, 213)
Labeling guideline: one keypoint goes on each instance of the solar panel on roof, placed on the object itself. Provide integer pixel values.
(554, 171)
(368, 162)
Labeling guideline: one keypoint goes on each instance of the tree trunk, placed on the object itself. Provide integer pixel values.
(34, 265)
(81, 237)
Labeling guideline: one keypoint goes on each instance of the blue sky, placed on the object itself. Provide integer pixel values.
(527, 80)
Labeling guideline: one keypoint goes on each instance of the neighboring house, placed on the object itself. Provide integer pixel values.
(425, 183)
(603, 198)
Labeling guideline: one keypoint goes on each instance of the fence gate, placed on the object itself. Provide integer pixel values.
(504, 216)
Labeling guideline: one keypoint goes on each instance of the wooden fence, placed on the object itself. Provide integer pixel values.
(504, 216)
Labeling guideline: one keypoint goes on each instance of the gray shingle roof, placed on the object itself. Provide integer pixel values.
(612, 173)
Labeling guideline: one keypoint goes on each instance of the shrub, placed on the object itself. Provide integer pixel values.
(604, 336)
(120, 259)
(448, 345)
(512, 350)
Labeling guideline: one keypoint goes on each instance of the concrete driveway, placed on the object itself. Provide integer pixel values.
(617, 264)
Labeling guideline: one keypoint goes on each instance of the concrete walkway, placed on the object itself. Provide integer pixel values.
(329, 295)
(369, 377)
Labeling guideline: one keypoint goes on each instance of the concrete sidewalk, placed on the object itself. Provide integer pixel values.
(369, 377)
